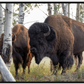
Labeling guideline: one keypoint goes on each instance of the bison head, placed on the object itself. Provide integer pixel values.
(41, 38)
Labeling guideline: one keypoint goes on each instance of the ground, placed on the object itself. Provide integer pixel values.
(41, 73)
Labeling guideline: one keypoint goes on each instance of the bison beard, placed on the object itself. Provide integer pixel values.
(57, 45)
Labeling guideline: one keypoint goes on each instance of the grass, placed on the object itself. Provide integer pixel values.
(42, 73)
(36, 73)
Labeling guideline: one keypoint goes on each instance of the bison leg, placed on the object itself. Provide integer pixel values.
(67, 62)
(80, 58)
(24, 67)
(16, 69)
(29, 67)
(76, 60)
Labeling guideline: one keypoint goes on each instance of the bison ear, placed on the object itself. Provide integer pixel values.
(52, 35)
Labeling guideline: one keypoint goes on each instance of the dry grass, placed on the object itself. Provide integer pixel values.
(42, 73)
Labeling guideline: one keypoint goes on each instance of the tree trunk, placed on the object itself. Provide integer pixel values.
(1, 21)
(7, 40)
(77, 12)
(68, 10)
(55, 9)
(21, 13)
(65, 9)
(49, 9)
(7, 76)
(83, 13)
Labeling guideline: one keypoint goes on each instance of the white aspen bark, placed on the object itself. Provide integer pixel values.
(77, 12)
(83, 13)
(8, 27)
(65, 9)
(21, 13)
(7, 40)
(49, 9)
(1, 21)
(68, 10)
(55, 9)
(7, 76)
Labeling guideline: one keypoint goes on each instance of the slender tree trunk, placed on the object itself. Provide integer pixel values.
(21, 13)
(49, 9)
(65, 9)
(7, 40)
(77, 12)
(7, 76)
(83, 13)
(68, 10)
(1, 21)
(55, 9)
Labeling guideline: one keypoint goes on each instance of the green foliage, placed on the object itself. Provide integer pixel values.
(56, 8)
(81, 17)
(27, 8)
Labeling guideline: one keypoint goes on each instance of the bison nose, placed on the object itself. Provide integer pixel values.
(33, 50)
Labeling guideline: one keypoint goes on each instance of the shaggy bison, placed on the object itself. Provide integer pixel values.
(21, 50)
(53, 38)
(77, 29)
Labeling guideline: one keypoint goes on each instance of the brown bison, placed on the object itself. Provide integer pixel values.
(21, 50)
(77, 29)
(53, 38)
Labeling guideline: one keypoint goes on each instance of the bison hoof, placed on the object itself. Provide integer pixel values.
(28, 72)
(76, 69)
(16, 76)
(63, 73)
(24, 73)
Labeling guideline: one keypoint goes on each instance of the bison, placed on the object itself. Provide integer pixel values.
(21, 50)
(54, 39)
(78, 32)
(77, 29)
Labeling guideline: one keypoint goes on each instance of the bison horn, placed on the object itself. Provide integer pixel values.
(46, 34)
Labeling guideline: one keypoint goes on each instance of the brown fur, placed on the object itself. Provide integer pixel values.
(77, 29)
(20, 45)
